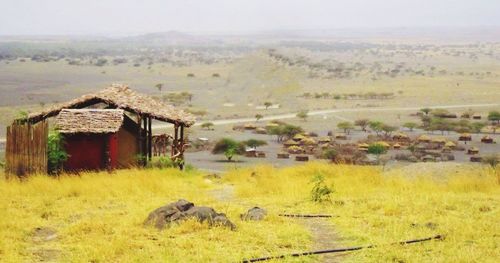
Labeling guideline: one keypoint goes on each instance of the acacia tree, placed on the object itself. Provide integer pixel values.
(410, 125)
(494, 116)
(477, 126)
(258, 117)
(267, 104)
(346, 126)
(254, 143)
(376, 126)
(426, 110)
(303, 114)
(362, 123)
(388, 129)
(159, 86)
(228, 147)
(207, 125)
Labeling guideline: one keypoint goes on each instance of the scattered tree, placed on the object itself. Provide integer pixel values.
(228, 147)
(376, 126)
(267, 104)
(410, 125)
(477, 126)
(346, 126)
(258, 117)
(303, 114)
(254, 143)
(426, 110)
(362, 123)
(388, 129)
(207, 125)
(494, 116)
(159, 86)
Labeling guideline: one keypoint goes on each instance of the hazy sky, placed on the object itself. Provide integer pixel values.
(22, 17)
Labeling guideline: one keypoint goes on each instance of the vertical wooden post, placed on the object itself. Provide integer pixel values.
(181, 148)
(175, 141)
(139, 138)
(150, 139)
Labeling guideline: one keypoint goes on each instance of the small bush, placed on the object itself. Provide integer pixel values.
(320, 191)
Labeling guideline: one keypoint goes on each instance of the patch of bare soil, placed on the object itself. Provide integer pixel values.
(43, 244)
(324, 237)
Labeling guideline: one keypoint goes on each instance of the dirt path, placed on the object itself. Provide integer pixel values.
(324, 237)
(323, 232)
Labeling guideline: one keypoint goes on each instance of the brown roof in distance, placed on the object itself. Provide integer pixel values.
(89, 121)
(122, 97)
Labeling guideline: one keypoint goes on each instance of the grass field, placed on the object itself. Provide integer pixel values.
(98, 217)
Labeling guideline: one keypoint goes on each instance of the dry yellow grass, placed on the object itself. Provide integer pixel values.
(373, 208)
(99, 217)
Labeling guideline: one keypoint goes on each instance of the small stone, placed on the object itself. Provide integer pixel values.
(255, 214)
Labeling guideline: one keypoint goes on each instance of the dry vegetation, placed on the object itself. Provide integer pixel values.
(98, 217)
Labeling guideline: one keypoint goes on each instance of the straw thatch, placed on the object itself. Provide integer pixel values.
(89, 121)
(122, 97)
(424, 138)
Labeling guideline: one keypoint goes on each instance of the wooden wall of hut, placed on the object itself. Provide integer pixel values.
(26, 149)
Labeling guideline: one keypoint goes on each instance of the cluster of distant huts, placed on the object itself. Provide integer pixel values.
(423, 148)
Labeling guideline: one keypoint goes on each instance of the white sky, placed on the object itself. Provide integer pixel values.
(117, 17)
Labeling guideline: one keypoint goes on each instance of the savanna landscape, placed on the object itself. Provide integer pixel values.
(353, 144)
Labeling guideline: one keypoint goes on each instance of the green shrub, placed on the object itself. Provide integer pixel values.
(55, 153)
(320, 191)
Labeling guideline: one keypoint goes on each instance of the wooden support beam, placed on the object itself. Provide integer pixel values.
(139, 137)
(150, 139)
(181, 148)
(175, 142)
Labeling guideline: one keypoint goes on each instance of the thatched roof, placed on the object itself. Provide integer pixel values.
(89, 121)
(424, 138)
(122, 97)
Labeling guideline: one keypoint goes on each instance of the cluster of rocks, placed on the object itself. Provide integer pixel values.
(182, 210)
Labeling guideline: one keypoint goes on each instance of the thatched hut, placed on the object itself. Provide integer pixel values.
(249, 126)
(396, 146)
(450, 144)
(473, 150)
(424, 138)
(341, 136)
(290, 143)
(302, 158)
(141, 108)
(298, 137)
(295, 149)
(309, 142)
(487, 139)
(428, 158)
(401, 137)
(476, 159)
(465, 137)
(98, 138)
(325, 139)
(283, 155)
(260, 130)
(363, 147)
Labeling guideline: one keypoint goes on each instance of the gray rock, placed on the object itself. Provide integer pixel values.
(254, 213)
(182, 210)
